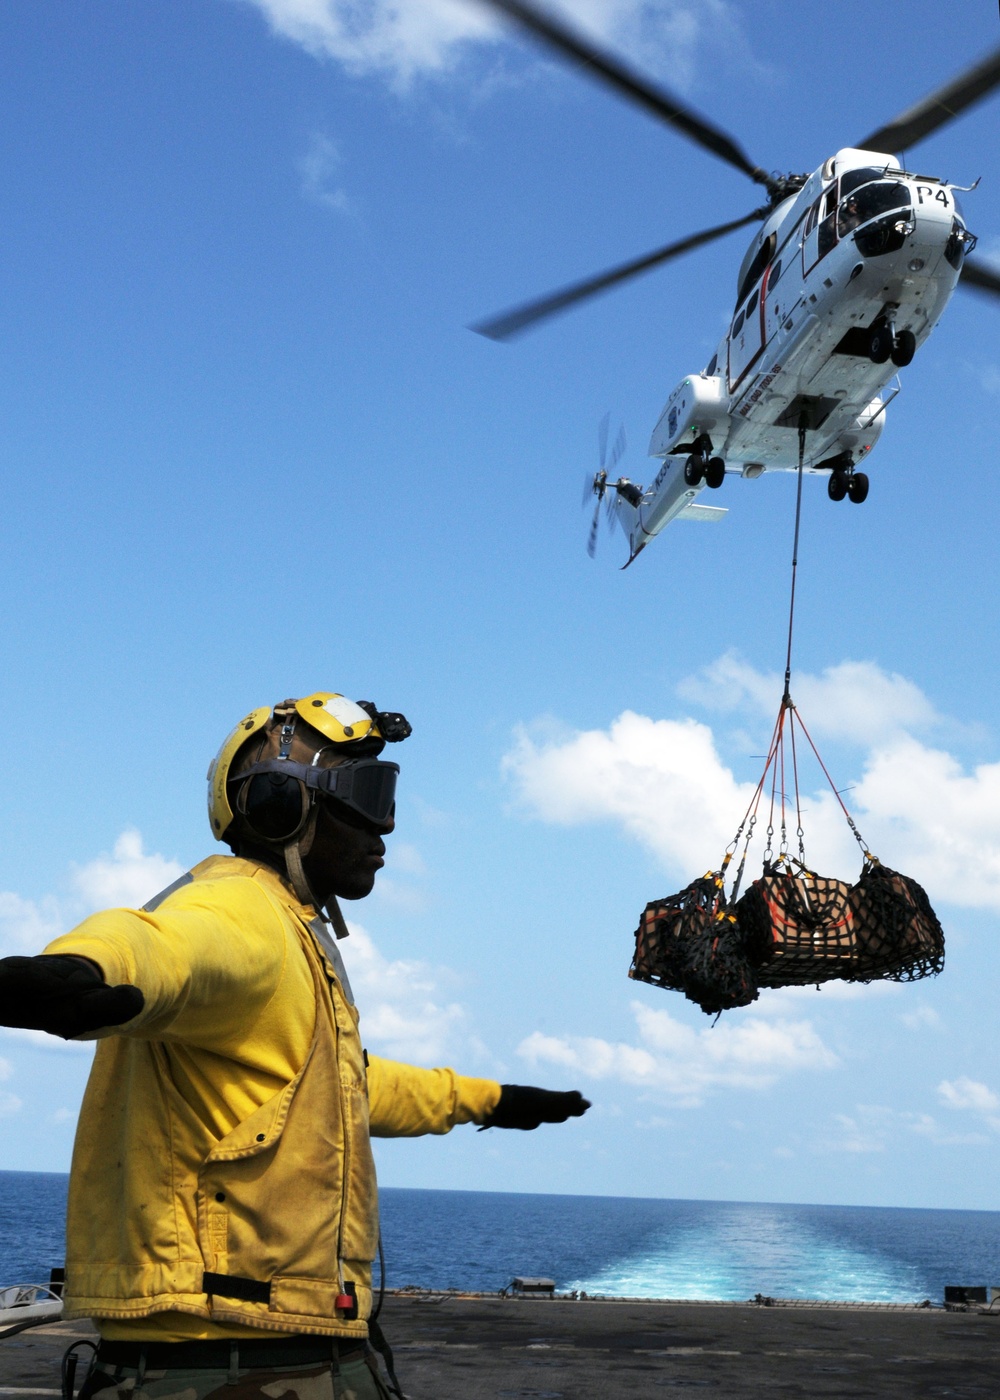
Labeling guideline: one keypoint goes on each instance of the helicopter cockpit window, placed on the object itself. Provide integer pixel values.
(738, 325)
(713, 365)
(851, 179)
(849, 216)
(880, 198)
(827, 235)
(881, 216)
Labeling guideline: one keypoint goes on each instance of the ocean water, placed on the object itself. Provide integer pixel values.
(479, 1240)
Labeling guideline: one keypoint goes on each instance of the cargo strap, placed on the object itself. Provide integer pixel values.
(782, 757)
(378, 1341)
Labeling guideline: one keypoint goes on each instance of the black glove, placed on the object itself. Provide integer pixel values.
(62, 995)
(521, 1106)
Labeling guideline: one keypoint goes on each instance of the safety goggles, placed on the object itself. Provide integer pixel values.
(366, 785)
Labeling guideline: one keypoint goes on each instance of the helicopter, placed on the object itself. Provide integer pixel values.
(849, 273)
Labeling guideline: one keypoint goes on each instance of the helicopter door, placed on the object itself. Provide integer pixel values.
(821, 230)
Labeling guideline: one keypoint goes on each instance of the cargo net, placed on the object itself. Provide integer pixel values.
(792, 927)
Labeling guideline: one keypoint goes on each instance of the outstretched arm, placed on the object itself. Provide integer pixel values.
(405, 1101)
(196, 970)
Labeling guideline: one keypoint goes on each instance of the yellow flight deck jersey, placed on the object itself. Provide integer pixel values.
(222, 1177)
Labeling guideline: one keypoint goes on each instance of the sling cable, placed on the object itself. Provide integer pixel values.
(792, 927)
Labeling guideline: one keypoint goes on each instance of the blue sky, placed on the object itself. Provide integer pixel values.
(251, 451)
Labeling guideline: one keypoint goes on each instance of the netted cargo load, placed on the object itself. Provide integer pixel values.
(688, 942)
(792, 927)
(801, 929)
(898, 934)
(798, 928)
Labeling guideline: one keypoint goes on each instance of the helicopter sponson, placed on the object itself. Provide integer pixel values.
(844, 282)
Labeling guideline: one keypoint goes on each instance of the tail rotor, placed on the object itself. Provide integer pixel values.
(595, 523)
(597, 485)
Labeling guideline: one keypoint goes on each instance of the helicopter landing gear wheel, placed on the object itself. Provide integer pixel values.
(694, 469)
(715, 472)
(857, 487)
(880, 343)
(836, 486)
(904, 349)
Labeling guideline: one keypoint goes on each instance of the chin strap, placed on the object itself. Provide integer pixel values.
(336, 918)
(294, 854)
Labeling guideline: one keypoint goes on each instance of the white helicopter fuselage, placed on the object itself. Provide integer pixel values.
(861, 244)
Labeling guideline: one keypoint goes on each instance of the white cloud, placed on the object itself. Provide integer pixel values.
(777, 999)
(873, 1128)
(27, 925)
(398, 37)
(968, 1094)
(944, 822)
(9, 1103)
(405, 1011)
(404, 38)
(989, 377)
(855, 701)
(402, 894)
(127, 877)
(675, 1059)
(867, 1132)
(52, 1044)
(407, 859)
(662, 781)
(921, 1018)
(318, 168)
(665, 784)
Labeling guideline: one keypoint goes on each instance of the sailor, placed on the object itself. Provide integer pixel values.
(223, 1212)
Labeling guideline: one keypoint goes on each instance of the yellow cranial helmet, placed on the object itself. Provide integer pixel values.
(325, 742)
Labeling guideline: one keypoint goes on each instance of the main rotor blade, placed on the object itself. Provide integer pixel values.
(592, 537)
(571, 44)
(513, 322)
(937, 109)
(983, 278)
(618, 451)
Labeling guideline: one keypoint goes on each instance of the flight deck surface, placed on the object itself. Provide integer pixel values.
(488, 1348)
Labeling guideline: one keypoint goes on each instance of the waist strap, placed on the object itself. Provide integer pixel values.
(244, 1353)
(247, 1290)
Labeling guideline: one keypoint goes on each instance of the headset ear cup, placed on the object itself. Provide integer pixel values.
(273, 806)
